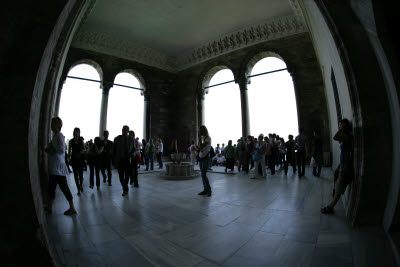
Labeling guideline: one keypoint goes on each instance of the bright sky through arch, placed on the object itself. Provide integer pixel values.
(125, 106)
(80, 103)
(272, 102)
(222, 114)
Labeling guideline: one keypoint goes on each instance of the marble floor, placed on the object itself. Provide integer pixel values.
(263, 222)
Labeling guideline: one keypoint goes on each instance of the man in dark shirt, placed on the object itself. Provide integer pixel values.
(107, 158)
(249, 151)
(301, 147)
(290, 155)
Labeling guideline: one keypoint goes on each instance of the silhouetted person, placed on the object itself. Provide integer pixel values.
(95, 161)
(57, 168)
(107, 158)
(204, 156)
(133, 173)
(75, 152)
(124, 147)
(301, 147)
(344, 173)
(290, 154)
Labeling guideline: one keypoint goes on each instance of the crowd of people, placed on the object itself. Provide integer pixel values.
(126, 152)
(265, 152)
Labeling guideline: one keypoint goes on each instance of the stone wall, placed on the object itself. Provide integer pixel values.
(298, 53)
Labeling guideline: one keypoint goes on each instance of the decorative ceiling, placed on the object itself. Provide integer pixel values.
(176, 34)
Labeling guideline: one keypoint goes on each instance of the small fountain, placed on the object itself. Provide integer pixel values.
(178, 170)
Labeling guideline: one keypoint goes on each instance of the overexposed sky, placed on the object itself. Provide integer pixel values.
(272, 104)
(81, 102)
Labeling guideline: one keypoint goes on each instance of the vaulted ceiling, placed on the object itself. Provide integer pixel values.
(176, 34)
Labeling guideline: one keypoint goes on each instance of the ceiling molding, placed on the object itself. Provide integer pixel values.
(110, 45)
(294, 4)
(267, 30)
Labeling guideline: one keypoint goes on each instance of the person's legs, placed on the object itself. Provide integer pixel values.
(97, 169)
(160, 160)
(91, 175)
(151, 161)
(263, 169)
(134, 165)
(298, 153)
(121, 174)
(303, 162)
(80, 172)
(147, 162)
(319, 165)
(62, 182)
(255, 171)
(109, 174)
(206, 182)
(76, 177)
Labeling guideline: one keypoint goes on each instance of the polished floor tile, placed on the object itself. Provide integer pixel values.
(263, 222)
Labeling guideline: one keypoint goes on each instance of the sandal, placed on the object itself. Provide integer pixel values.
(327, 210)
(69, 212)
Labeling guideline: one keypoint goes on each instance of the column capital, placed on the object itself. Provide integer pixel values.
(147, 94)
(106, 86)
(243, 82)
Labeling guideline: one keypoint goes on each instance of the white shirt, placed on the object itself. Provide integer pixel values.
(221, 159)
(161, 147)
(204, 152)
(57, 164)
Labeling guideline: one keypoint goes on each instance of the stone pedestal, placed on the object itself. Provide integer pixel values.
(178, 170)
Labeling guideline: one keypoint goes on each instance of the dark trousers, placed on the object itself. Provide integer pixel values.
(106, 165)
(55, 180)
(203, 167)
(270, 162)
(301, 161)
(77, 168)
(290, 160)
(282, 159)
(159, 156)
(230, 163)
(123, 172)
(247, 162)
(150, 160)
(317, 169)
(133, 173)
(94, 167)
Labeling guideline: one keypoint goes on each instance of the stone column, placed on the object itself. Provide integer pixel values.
(147, 116)
(201, 108)
(244, 106)
(104, 108)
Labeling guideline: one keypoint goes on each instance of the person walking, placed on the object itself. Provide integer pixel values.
(58, 170)
(94, 159)
(204, 158)
(124, 147)
(107, 158)
(75, 152)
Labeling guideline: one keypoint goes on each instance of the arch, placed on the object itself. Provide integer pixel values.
(253, 58)
(89, 62)
(205, 81)
(137, 75)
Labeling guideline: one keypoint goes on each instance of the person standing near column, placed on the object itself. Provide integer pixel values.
(300, 145)
(204, 156)
(124, 147)
(95, 161)
(160, 153)
(316, 153)
(76, 147)
(107, 158)
(58, 170)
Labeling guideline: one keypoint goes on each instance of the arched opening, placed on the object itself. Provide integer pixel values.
(80, 102)
(272, 101)
(222, 113)
(125, 105)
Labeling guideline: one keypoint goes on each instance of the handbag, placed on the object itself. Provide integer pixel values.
(138, 158)
(255, 156)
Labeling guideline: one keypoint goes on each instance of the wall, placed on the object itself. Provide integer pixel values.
(297, 52)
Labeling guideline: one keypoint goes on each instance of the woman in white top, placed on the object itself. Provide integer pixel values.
(204, 156)
(57, 168)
